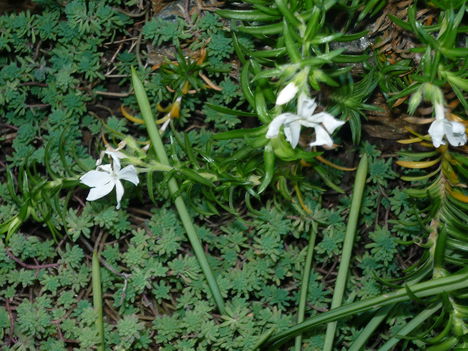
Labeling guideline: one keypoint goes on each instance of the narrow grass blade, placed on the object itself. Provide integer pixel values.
(160, 151)
(97, 299)
(305, 283)
(373, 324)
(432, 287)
(410, 326)
(342, 277)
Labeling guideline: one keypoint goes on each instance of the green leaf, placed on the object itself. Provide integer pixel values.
(269, 29)
(246, 15)
(245, 84)
(447, 284)
(230, 111)
(351, 37)
(275, 53)
(350, 58)
(400, 23)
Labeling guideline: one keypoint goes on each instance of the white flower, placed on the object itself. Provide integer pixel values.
(323, 123)
(287, 94)
(453, 131)
(106, 177)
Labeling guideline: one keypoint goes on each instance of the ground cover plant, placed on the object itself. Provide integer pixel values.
(250, 175)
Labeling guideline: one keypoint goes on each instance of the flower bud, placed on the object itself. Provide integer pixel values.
(287, 94)
(414, 101)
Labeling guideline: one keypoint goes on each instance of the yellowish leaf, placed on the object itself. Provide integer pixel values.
(331, 164)
(418, 164)
(409, 141)
(458, 195)
(129, 116)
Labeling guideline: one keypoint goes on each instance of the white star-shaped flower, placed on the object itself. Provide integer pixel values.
(453, 131)
(323, 123)
(106, 177)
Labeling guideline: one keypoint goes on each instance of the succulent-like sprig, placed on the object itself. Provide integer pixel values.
(297, 62)
(440, 188)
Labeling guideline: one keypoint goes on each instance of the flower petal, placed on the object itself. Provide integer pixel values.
(100, 191)
(277, 122)
(437, 132)
(287, 94)
(292, 131)
(455, 133)
(106, 168)
(116, 156)
(329, 122)
(95, 178)
(306, 106)
(321, 137)
(129, 173)
(119, 191)
(114, 153)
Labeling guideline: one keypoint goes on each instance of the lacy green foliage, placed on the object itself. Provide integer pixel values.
(208, 52)
(46, 97)
(161, 30)
(154, 276)
(45, 101)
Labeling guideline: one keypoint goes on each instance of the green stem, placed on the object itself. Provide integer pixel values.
(158, 147)
(410, 326)
(97, 299)
(342, 277)
(305, 283)
(432, 287)
(365, 334)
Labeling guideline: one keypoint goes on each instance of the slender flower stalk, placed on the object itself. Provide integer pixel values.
(97, 299)
(305, 283)
(342, 276)
(158, 147)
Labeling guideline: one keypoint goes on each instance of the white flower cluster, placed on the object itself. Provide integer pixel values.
(106, 177)
(323, 122)
(453, 131)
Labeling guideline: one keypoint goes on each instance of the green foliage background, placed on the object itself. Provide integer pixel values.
(58, 63)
